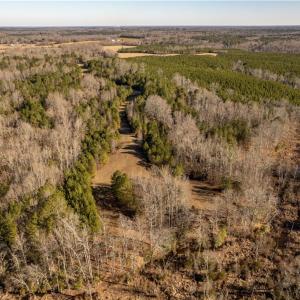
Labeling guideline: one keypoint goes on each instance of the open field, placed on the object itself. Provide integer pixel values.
(137, 54)
(115, 48)
(133, 54)
(207, 54)
(5, 47)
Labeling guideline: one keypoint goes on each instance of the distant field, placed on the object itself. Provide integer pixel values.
(137, 54)
(6, 47)
(115, 48)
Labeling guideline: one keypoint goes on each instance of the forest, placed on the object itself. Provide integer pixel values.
(165, 177)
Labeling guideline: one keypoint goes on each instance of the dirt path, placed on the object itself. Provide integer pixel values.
(129, 158)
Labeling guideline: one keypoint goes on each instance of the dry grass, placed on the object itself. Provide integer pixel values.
(115, 48)
(109, 48)
(126, 159)
(129, 40)
(6, 47)
(137, 54)
(207, 54)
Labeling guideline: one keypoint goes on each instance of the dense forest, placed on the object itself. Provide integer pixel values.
(230, 123)
(236, 75)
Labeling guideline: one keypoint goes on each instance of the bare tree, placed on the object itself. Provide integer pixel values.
(158, 109)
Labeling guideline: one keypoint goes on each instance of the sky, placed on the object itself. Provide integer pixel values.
(148, 13)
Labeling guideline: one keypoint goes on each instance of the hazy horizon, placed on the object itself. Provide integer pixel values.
(151, 14)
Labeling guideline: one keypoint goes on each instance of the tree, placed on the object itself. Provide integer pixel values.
(123, 190)
(157, 109)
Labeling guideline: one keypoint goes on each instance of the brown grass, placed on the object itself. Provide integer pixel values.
(115, 48)
(207, 54)
(138, 54)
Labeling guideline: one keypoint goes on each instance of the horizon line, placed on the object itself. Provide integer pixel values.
(120, 26)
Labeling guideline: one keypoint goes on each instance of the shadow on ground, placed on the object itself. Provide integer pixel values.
(105, 198)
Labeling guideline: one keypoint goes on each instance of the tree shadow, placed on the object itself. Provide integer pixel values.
(106, 199)
(137, 151)
(104, 196)
(292, 225)
(204, 190)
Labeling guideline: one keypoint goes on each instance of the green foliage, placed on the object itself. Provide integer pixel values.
(101, 67)
(36, 88)
(124, 92)
(40, 85)
(34, 113)
(156, 145)
(229, 183)
(77, 186)
(207, 71)
(4, 63)
(279, 63)
(78, 193)
(165, 49)
(235, 131)
(34, 255)
(8, 229)
(122, 188)
(52, 206)
(220, 237)
(4, 188)
(40, 211)
(8, 223)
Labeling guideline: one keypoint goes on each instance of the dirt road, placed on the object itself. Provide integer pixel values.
(130, 159)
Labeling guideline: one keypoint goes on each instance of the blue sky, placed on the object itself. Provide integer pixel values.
(128, 13)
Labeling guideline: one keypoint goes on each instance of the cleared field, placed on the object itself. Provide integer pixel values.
(115, 48)
(137, 54)
(207, 54)
(129, 40)
(6, 47)
(110, 48)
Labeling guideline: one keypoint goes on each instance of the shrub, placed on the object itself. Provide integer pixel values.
(220, 237)
(3, 189)
(79, 195)
(158, 149)
(123, 190)
(8, 229)
(34, 113)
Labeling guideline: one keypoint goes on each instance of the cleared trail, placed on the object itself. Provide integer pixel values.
(130, 159)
